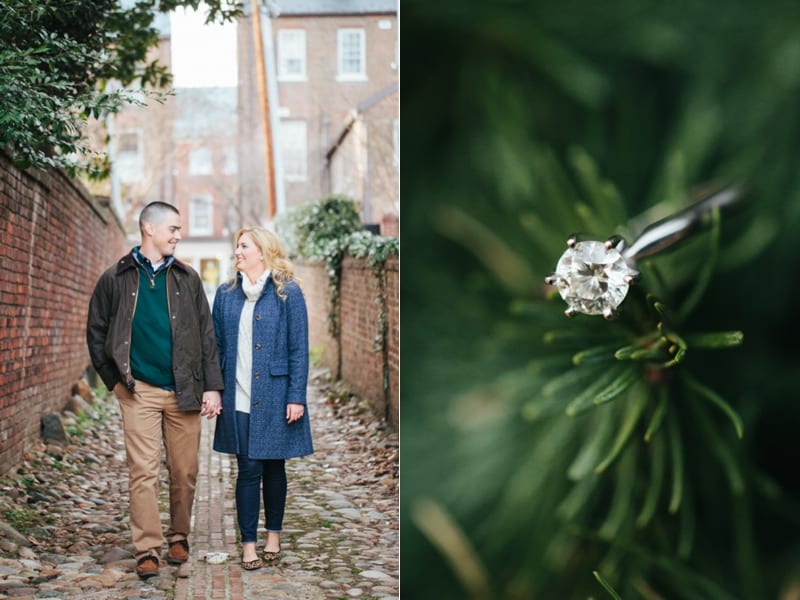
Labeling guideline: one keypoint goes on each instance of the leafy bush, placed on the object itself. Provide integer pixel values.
(317, 230)
(56, 61)
(325, 230)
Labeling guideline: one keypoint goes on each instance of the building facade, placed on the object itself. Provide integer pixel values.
(333, 70)
(181, 150)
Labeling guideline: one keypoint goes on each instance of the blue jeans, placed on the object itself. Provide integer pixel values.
(252, 473)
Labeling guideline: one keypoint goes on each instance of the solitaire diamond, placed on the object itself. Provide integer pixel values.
(592, 277)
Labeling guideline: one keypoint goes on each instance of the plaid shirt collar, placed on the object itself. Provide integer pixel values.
(145, 263)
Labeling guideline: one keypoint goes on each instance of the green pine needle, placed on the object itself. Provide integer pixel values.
(608, 385)
(676, 454)
(720, 339)
(606, 586)
(636, 405)
(717, 401)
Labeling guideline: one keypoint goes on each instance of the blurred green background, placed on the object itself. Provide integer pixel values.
(524, 122)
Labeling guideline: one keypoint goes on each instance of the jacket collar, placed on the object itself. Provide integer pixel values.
(129, 262)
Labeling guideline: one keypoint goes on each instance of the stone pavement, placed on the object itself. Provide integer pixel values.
(64, 531)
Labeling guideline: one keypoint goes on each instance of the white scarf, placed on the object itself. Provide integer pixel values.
(244, 350)
(253, 290)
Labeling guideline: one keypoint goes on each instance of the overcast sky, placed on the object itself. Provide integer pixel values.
(202, 55)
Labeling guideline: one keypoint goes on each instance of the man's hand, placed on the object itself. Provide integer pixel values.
(122, 392)
(212, 404)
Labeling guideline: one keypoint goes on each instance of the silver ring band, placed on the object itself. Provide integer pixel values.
(668, 232)
(593, 277)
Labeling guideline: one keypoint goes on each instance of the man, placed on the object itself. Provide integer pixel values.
(151, 340)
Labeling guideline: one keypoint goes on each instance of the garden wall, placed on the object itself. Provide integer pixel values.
(369, 369)
(55, 240)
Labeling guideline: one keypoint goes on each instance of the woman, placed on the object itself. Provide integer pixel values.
(261, 325)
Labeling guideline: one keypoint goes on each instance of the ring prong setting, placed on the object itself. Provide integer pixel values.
(593, 277)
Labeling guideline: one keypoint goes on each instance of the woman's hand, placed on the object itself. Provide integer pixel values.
(212, 404)
(294, 412)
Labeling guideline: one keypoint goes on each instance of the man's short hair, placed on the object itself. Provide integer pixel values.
(155, 212)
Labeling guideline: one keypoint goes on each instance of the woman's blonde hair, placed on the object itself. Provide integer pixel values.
(274, 255)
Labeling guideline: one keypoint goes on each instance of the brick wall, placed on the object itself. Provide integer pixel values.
(370, 373)
(314, 282)
(56, 240)
(393, 341)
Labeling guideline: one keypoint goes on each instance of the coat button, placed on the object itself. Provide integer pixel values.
(258, 375)
(258, 346)
(258, 317)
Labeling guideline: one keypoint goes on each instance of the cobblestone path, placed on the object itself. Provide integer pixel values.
(340, 536)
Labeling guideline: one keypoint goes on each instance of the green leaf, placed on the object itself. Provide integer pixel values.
(704, 277)
(622, 383)
(676, 454)
(721, 339)
(606, 586)
(575, 336)
(637, 401)
(624, 488)
(605, 198)
(597, 439)
(594, 355)
(721, 449)
(717, 401)
(610, 384)
(686, 528)
(577, 498)
(655, 482)
(562, 385)
(658, 414)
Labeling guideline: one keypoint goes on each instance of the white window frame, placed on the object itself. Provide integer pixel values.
(291, 47)
(294, 149)
(201, 161)
(194, 202)
(342, 36)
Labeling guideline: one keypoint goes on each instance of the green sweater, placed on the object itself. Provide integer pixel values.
(151, 332)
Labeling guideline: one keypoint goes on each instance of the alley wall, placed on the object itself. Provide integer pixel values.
(371, 370)
(55, 240)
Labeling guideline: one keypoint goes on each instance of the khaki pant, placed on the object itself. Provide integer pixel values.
(149, 417)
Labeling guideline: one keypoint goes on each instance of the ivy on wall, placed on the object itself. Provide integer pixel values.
(327, 229)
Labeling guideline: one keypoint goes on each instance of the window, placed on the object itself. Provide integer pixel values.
(292, 55)
(352, 55)
(231, 164)
(201, 220)
(200, 161)
(129, 159)
(128, 142)
(293, 150)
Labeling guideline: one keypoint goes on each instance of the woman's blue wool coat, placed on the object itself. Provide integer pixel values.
(280, 371)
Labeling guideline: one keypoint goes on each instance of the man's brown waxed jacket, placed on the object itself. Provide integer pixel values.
(194, 349)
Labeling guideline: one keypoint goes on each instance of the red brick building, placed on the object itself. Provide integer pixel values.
(183, 151)
(332, 72)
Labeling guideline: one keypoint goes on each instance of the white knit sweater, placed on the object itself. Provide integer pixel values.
(244, 350)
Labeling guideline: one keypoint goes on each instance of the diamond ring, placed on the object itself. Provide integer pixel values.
(593, 277)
